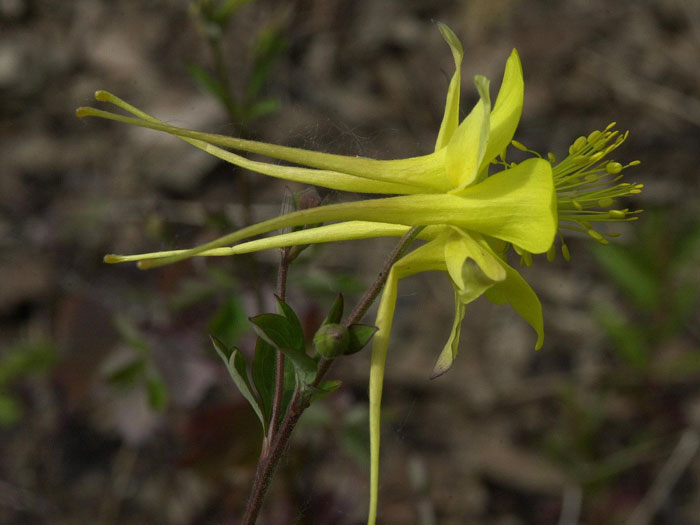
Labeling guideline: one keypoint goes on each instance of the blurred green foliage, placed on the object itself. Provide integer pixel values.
(230, 321)
(18, 362)
(660, 284)
(140, 370)
(624, 424)
(212, 18)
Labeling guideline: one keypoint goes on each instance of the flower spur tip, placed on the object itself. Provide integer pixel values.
(84, 112)
(438, 371)
(451, 39)
(104, 96)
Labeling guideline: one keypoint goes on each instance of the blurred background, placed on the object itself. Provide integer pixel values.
(114, 408)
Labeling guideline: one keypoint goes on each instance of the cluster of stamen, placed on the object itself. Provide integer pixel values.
(587, 185)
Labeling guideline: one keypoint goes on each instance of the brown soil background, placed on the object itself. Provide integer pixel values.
(507, 437)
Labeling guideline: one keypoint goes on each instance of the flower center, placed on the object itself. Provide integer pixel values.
(588, 186)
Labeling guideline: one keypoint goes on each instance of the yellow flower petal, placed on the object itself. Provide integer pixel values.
(450, 120)
(467, 147)
(508, 108)
(337, 180)
(519, 206)
(449, 352)
(343, 231)
(516, 205)
(425, 171)
(325, 178)
(425, 258)
(459, 247)
(473, 269)
(515, 291)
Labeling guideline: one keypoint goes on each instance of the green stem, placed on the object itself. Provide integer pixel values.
(372, 293)
(278, 442)
(279, 367)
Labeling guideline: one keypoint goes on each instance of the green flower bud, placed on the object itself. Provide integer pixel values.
(331, 340)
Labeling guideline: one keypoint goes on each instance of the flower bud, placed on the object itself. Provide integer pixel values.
(331, 340)
(307, 198)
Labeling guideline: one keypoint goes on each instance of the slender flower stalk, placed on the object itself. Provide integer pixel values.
(470, 211)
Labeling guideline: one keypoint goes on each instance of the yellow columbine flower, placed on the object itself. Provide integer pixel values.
(470, 215)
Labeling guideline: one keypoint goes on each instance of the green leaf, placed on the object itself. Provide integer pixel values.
(10, 410)
(226, 9)
(360, 334)
(336, 312)
(262, 108)
(157, 393)
(285, 310)
(687, 246)
(269, 47)
(207, 82)
(304, 366)
(684, 301)
(128, 374)
(290, 385)
(24, 359)
(263, 372)
(229, 321)
(224, 352)
(278, 331)
(322, 390)
(235, 363)
(630, 274)
(354, 438)
(126, 329)
(282, 333)
(630, 341)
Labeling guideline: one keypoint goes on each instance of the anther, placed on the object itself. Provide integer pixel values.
(597, 236)
(565, 252)
(613, 168)
(518, 145)
(593, 136)
(617, 214)
(578, 145)
(600, 144)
